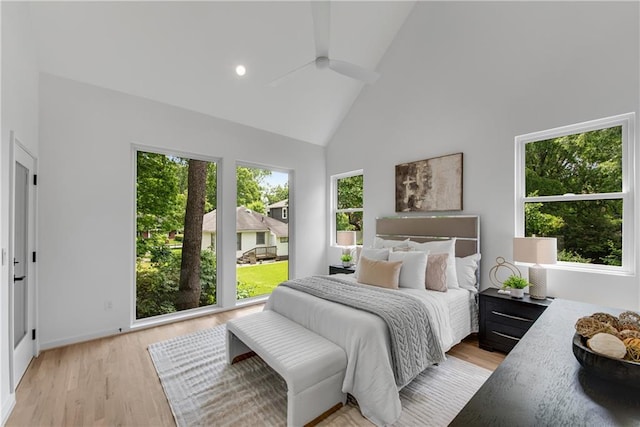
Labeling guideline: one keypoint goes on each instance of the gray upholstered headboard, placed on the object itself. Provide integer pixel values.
(466, 229)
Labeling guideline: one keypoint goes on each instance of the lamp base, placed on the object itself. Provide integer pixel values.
(538, 280)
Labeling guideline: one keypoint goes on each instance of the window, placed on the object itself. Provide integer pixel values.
(264, 261)
(576, 183)
(175, 227)
(238, 241)
(348, 204)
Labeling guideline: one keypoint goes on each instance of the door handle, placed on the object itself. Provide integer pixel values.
(18, 279)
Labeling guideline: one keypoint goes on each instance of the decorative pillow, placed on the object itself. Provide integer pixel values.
(379, 243)
(466, 271)
(385, 274)
(371, 253)
(414, 267)
(436, 277)
(439, 247)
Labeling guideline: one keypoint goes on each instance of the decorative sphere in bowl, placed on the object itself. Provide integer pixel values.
(608, 368)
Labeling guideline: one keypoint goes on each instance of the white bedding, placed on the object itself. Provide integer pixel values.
(365, 338)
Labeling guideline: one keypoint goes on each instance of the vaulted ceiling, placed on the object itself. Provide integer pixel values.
(185, 54)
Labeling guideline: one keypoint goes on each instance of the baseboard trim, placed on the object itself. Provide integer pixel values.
(7, 408)
(79, 338)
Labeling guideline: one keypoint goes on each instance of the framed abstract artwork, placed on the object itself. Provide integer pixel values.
(430, 185)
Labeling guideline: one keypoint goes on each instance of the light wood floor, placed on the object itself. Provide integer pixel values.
(112, 381)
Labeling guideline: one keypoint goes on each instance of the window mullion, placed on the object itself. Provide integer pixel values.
(575, 197)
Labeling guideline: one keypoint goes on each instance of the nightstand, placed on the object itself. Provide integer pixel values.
(504, 320)
(338, 268)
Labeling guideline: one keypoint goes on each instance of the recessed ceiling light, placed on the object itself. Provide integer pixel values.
(241, 70)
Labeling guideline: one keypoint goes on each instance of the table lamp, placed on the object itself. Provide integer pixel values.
(536, 250)
(346, 240)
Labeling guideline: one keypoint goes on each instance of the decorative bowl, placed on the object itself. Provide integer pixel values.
(621, 371)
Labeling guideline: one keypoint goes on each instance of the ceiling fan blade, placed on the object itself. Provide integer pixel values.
(354, 71)
(281, 79)
(321, 12)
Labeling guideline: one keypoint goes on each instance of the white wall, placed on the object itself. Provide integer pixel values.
(469, 77)
(87, 199)
(20, 114)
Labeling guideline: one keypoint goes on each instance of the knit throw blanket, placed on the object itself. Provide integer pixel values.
(414, 345)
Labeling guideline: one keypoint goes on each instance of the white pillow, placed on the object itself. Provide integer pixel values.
(442, 247)
(466, 271)
(379, 243)
(414, 268)
(372, 254)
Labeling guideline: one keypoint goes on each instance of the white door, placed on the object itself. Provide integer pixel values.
(22, 291)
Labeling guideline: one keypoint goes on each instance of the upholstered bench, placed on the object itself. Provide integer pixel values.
(312, 366)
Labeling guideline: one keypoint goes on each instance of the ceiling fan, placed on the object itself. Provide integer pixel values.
(321, 14)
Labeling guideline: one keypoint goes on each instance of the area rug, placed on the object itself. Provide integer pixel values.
(203, 390)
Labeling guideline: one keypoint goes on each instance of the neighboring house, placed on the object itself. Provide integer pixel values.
(279, 210)
(253, 230)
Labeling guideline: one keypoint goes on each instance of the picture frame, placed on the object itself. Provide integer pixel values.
(430, 185)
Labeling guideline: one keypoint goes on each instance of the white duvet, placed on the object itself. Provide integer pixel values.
(365, 338)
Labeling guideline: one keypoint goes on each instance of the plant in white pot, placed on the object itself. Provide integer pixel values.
(346, 260)
(516, 285)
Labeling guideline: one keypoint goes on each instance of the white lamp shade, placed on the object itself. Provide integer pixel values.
(346, 238)
(536, 250)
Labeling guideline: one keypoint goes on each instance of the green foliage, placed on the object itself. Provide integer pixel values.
(157, 283)
(257, 206)
(569, 256)
(539, 223)
(346, 258)
(249, 182)
(350, 192)
(515, 282)
(277, 193)
(586, 163)
(350, 196)
(244, 290)
(157, 188)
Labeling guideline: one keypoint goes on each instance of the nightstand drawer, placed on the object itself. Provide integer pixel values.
(337, 269)
(516, 315)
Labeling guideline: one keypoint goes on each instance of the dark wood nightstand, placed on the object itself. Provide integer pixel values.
(338, 268)
(504, 320)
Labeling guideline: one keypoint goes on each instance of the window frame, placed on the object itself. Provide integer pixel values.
(144, 322)
(627, 193)
(334, 202)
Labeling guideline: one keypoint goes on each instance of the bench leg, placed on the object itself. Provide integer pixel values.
(235, 347)
(309, 404)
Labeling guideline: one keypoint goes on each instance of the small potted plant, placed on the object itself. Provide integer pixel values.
(516, 285)
(346, 260)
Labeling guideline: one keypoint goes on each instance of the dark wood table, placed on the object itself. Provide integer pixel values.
(541, 383)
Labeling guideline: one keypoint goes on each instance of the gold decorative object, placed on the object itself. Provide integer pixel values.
(633, 348)
(588, 327)
(502, 264)
(628, 333)
(607, 318)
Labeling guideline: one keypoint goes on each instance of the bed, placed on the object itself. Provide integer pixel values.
(371, 376)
